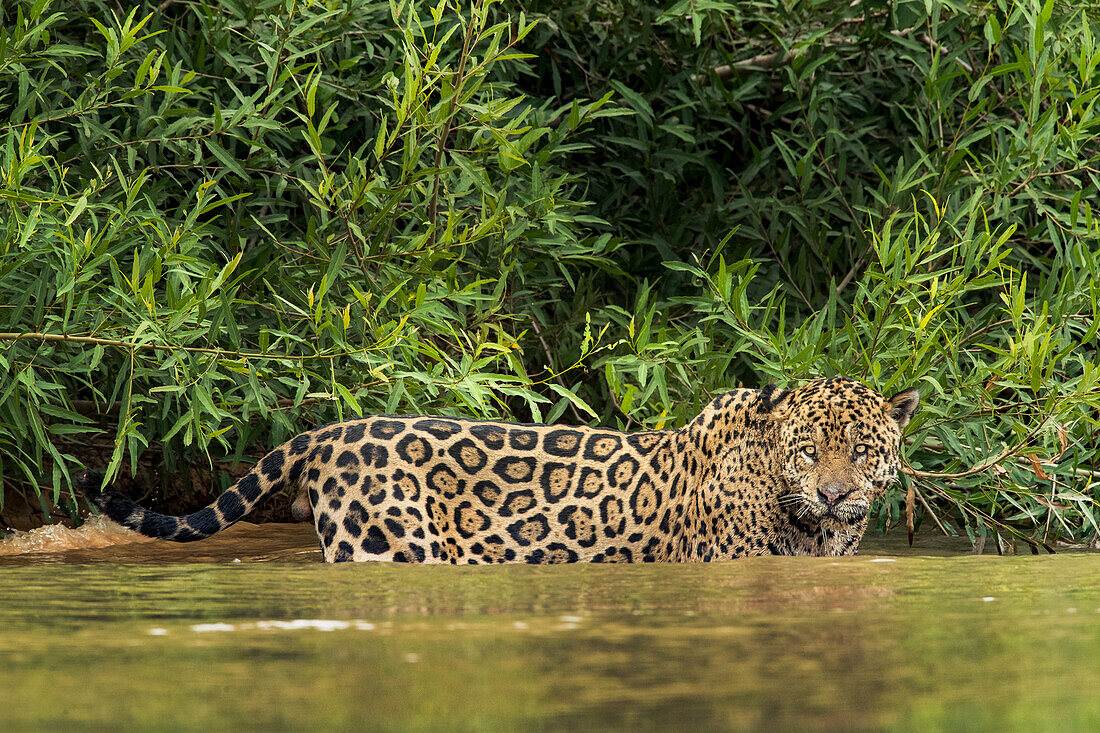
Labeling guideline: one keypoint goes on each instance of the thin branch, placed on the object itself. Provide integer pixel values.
(984, 465)
(935, 446)
(1048, 174)
(95, 340)
(114, 409)
(618, 406)
(762, 62)
(456, 92)
(931, 513)
(851, 273)
(936, 46)
(989, 521)
(771, 61)
(134, 346)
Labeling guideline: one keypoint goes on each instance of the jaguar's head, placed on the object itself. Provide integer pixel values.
(839, 443)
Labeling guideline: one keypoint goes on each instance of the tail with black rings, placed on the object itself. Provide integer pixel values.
(278, 468)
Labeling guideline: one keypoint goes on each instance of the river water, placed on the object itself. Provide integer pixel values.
(249, 630)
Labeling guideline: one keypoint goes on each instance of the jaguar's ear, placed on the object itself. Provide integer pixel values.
(769, 398)
(903, 405)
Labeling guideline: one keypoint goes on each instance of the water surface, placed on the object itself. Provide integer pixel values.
(181, 637)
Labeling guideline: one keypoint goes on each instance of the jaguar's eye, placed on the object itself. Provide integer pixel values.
(861, 449)
(810, 451)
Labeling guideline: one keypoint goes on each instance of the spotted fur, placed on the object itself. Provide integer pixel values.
(757, 473)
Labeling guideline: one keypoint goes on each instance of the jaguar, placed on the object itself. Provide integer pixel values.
(757, 472)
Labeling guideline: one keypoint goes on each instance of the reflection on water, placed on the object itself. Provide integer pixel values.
(910, 643)
(248, 542)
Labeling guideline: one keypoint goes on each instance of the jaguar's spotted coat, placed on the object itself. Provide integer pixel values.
(758, 472)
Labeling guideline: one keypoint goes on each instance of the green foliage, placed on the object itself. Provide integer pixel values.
(911, 193)
(255, 209)
(227, 221)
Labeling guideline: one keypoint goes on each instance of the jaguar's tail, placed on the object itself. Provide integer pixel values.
(278, 468)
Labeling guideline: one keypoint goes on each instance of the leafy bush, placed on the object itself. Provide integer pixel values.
(228, 221)
(911, 190)
(251, 210)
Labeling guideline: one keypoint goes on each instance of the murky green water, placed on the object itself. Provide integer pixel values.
(905, 642)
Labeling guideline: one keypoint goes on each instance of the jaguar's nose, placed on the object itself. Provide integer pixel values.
(831, 494)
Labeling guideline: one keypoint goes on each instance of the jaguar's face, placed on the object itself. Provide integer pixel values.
(839, 441)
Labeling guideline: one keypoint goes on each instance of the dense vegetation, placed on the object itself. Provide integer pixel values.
(224, 222)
